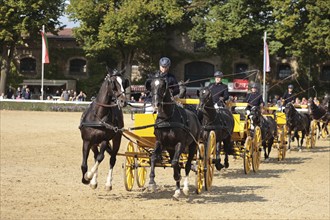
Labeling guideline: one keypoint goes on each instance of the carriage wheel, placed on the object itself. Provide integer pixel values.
(313, 133)
(256, 147)
(282, 145)
(140, 171)
(209, 157)
(200, 168)
(247, 155)
(129, 167)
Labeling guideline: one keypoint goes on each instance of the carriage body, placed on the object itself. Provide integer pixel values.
(140, 148)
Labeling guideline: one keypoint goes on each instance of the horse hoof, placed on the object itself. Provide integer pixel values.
(219, 166)
(226, 165)
(300, 150)
(88, 176)
(186, 191)
(108, 188)
(176, 195)
(93, 186)
(86, 182)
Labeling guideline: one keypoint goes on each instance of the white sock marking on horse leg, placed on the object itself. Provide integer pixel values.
(108, 184)
(93, 182)
(90, 174)
(186, 186)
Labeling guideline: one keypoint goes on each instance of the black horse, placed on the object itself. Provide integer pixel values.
(268, 129)
(319, 113)
(100, 123)
(296, 121)
(221, 121)
(177, 130)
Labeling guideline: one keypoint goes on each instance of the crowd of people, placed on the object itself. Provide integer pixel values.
(25, 93)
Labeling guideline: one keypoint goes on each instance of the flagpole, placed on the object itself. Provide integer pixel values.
(42, 65)
(264, 71)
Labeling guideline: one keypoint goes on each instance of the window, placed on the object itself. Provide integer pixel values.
(28, 65)
(77, 66)
(284, 70)
(198, 71)
(325, 73)
(240, 68)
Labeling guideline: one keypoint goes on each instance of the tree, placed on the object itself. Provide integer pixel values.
(20, 19)
(123, 26)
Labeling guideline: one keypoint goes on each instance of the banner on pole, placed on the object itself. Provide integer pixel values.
(45, 54)
(266, 57)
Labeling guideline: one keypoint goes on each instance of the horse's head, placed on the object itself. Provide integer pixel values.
(289, 109)
(159, 88)
(205, 98)
(183, 89)
(255, 115)
(114, 86)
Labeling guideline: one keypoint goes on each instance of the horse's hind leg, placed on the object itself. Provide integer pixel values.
(84, 167)
(217, 162)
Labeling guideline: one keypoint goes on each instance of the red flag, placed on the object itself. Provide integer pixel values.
(45, 55)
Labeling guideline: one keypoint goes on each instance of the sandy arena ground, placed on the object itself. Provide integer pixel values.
(41, 179)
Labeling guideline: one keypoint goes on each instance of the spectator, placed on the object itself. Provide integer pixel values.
(81, 97)
(142, 97)
(132, 99)
(74, 96)
(10, 93)
(27, 93)
(18, 92)
(304, 101)
(65, 96)
(297, 101)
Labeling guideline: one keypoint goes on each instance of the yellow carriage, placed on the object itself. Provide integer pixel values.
(141, 145)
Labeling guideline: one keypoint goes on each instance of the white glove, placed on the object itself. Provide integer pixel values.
(248, 112)
(216, 106)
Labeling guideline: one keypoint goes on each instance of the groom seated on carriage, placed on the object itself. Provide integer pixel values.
(254, 98)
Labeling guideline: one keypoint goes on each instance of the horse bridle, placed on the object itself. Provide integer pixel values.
(111, 79)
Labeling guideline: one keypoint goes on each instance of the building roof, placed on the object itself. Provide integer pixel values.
(65, 33)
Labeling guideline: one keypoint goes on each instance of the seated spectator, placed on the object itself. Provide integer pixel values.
(142, 97)
(81, 97)
(304, 101)
(297, 101)
(27, 93)
(132, 99)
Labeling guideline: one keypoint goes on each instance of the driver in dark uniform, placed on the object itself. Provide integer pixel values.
(254, 98)
(164, 66)
(289, 96)
(219, 90)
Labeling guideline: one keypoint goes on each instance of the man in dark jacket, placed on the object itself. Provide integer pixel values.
(219, 90)
(164, 66)
(289, 96)
(254, 98)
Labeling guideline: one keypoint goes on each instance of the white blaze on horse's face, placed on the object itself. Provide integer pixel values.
(120, 81)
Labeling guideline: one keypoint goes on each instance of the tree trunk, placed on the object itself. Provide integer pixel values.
(127, 64)
(6, 57)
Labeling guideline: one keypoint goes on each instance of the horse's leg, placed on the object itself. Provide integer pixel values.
(289, 139)
(218, 164)
(154, 156)
(270, 144)
(320, 130)
(228, 148)
(113, 157)
(100, 156)
(192, 150)
(176, 169)
(303, 134)
(264, 145)
(84, 167)
(93, 183)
